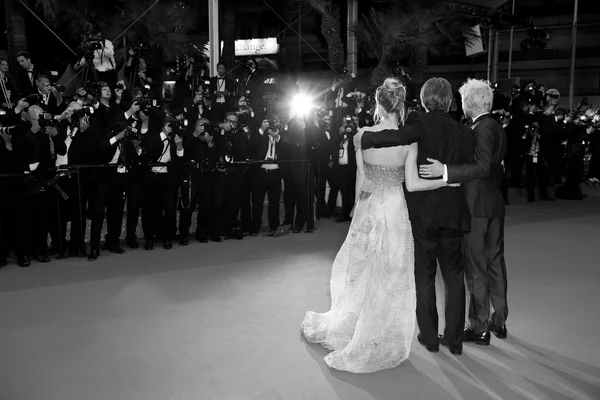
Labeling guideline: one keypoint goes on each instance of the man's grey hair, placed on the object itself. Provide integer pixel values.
(436, 94)
(477, 97)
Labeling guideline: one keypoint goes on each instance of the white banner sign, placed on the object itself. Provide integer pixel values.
(256, 47)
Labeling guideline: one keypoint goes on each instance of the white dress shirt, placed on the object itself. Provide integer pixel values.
(166, 155)
(64, 160)
(344, 158)
(220, 88)
(104, 58)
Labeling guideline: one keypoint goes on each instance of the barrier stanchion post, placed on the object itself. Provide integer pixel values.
(82, 216)
(310, 206)
(61, 237)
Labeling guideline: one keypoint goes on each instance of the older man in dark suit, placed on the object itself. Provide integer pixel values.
(439, 217)
(484, 245)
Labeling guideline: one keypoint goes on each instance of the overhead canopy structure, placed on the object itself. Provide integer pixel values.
(489, 4)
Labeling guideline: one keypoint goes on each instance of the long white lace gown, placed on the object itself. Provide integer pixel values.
(371, 322)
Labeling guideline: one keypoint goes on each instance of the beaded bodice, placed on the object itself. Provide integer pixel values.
(386, 178)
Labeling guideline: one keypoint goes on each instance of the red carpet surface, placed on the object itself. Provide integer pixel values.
(221, 321)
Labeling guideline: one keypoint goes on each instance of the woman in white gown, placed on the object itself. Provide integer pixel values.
(371, 323)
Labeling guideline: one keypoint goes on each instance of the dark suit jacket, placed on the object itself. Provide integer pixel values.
(483, 178)
(442, 138)
(25, 85)
(152, 146)
(255, 84)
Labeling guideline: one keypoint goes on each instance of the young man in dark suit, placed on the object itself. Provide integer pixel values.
(485, 269)
(27, 75)
(222, 92)
(440, 218)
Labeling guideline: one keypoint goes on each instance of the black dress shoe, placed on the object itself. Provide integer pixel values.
(482, 339)
(202, 238)
(434, 348)
(297, 230)
(167, 245)
(43, 258)
(116, 250)
(216, 238)
(183, 241)
(547, 198)
(499, 331)
(94, 254)
(3, 263)
(132, 244)
(149, 245)
(24, 262)
(455, 349)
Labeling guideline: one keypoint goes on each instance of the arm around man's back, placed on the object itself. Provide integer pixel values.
(482, 160)
(406, 134)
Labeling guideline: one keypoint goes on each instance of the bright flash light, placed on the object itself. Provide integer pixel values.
(301, 105)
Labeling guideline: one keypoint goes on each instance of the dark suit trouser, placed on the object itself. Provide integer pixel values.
(266, 182)
(326, 174)
(4, 201)
(295, 197)
(69, 211)
(160, 201)
(109, 201)
(433, 244)
(31, 221)
(246, 200)
(347, 184)
(135, 187)
(207, 193)
(233, 189)
(485, 272)
(539, 170)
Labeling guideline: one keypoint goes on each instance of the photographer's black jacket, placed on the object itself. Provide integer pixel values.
(30, 148)
(236, 145)
(152, 148)
(197, 151)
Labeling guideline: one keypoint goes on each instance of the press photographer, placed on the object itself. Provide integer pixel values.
(267, 177)
(99, 54)
(35, 150)
(80, 140)
(49, 96)
(110, 186)
(221, 90)
(203, 184)
(536, 165)
(236, 144)
(347, 166)
(136, 69)
(161, 183)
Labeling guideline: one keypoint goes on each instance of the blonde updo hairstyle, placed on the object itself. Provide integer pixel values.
(390, 99)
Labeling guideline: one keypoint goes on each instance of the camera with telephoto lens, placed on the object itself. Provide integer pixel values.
(208, 128)
(8, 130)
(120, 86)
(350, 126)
(590, 121)
(47, 120)
(179, 126)
(148, 105)
(84, 112)
(54, 80)
(93, 89)
(34, 99)
(533, 129)
(273, 125)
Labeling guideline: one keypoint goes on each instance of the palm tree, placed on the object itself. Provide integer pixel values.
(410, 31)
(330, 28)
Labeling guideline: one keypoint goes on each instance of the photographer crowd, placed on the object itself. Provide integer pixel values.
(216, 151)
(548, 146)
(113, 152)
